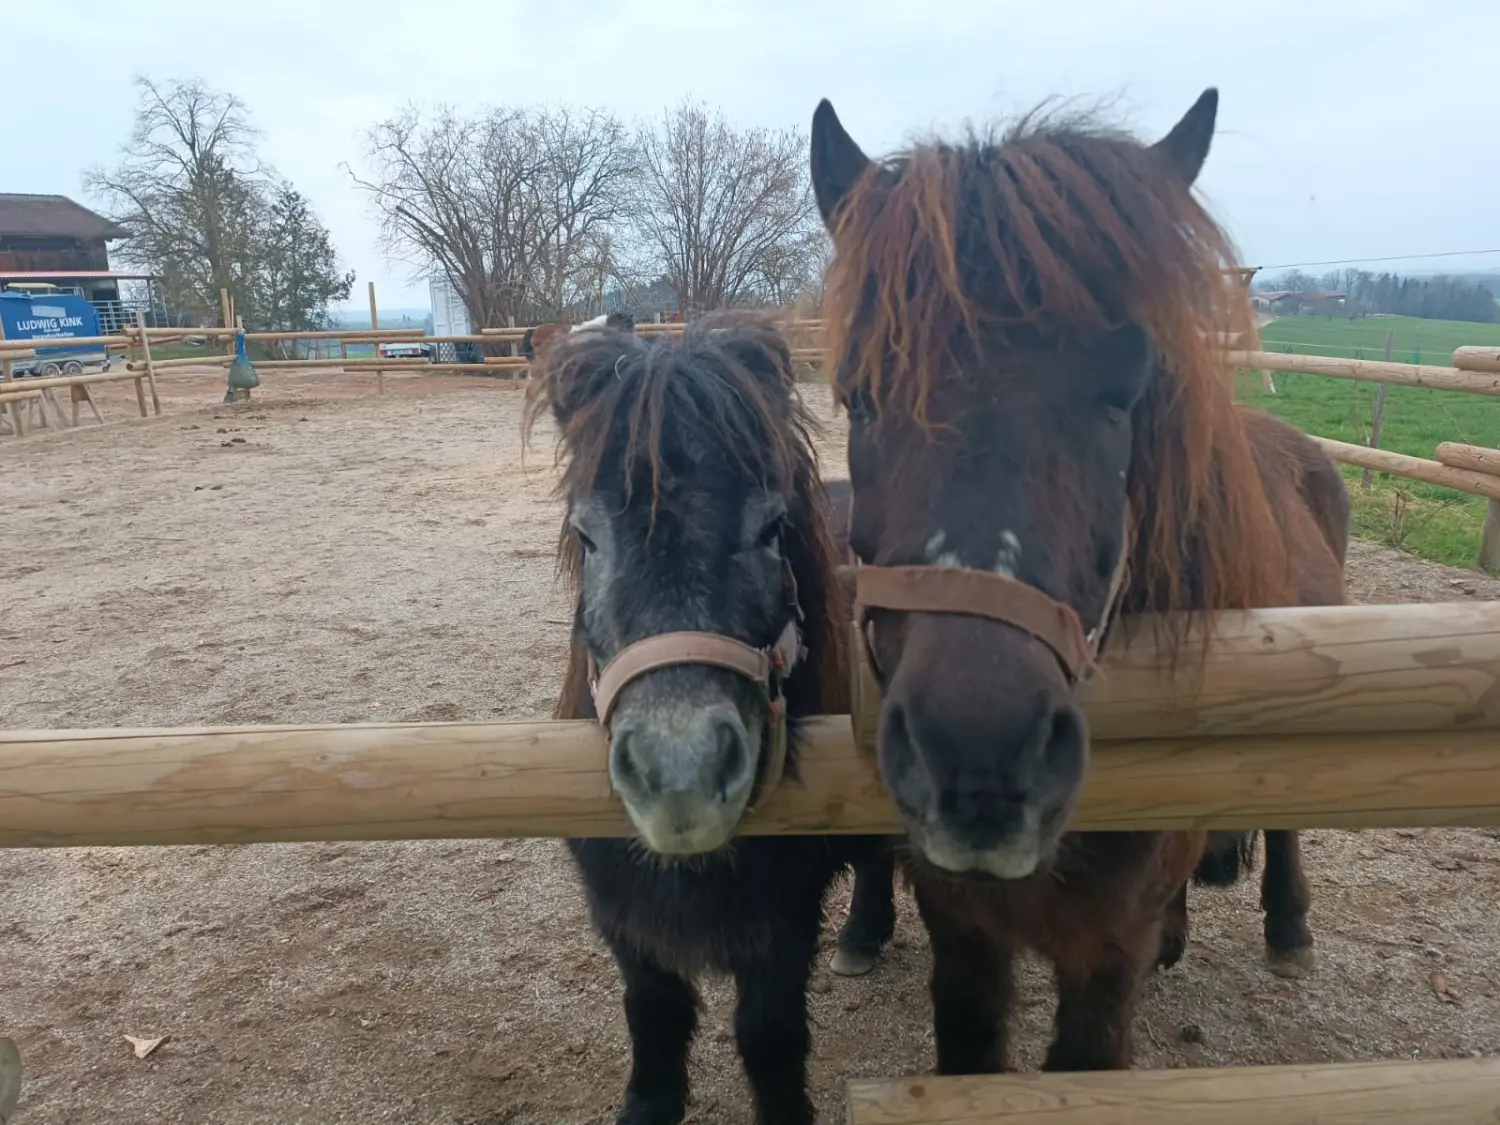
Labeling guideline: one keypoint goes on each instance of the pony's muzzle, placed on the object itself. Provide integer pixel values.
(684, 772)
(985, 780)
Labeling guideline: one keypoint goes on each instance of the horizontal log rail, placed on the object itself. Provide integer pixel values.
(476, 780)
(1408, 1092)
(90, 343)
(1381, 736)
(1472, 458)
(1415, 468)
(1485, 359)
(1373, 371)
(21, 386)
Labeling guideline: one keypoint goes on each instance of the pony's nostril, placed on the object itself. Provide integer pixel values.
(733, 758)
(623, 767)
(901, 750)
(1067, 738)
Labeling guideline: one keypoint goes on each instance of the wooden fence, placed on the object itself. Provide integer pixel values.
(1465, 468)
(19, 398)
(1347, 716)
(1475, 370)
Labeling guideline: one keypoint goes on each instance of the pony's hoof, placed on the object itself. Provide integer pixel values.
(1173, 949)
(10, 1078)
(1292, 964)
(853, 962)
(638, 1111)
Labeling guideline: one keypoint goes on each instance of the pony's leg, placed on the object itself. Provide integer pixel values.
(1174, 931)
(872, 914)
(771, 1025)
(973, 991)
(1285, 898)
(661, 1011)
(1096, 1004)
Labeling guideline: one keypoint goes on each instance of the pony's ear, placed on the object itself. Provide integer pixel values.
(752, 340)
(578, 366)
(1186, 146)
(837, 162)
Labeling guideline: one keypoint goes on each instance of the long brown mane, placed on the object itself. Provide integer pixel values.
(1068, 227)
(625, 406)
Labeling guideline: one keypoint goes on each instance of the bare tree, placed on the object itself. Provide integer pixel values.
(1293, 281)
(512, 205)
(727, 215)
(191, 192)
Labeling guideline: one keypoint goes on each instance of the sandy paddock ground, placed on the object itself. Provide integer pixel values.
(326, 555)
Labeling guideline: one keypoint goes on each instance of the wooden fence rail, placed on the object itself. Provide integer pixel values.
(417, 781)
(1373, 371)
(1466, 468)
(1355, 717)
(1477, 359)
(1415, 468)
(1416, 1092)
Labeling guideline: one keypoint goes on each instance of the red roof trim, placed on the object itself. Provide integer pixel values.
(47, 275)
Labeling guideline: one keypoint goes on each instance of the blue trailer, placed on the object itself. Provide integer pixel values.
(51, 319)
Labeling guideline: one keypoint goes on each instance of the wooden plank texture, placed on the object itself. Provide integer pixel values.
(1421, 1092)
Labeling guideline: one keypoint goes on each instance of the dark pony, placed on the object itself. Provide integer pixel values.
(536, 339)
(1023, 330)
(693, 503)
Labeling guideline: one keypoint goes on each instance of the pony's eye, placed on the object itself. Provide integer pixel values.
(585, 542)
(770, 535)
(861, 408)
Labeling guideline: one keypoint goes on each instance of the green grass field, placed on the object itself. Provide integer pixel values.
(1436, 523)
(1416, 341)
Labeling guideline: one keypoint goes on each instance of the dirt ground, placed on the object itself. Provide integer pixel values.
(326, 555)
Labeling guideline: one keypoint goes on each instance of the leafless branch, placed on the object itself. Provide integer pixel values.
(513, 205)
(727, 214)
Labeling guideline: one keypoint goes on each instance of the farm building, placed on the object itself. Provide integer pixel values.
(1314, 302)
(49, 242)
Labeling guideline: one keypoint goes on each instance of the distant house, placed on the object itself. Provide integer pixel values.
(48, 241)
(1314, 302)
(1323, 302)
(1272, 300)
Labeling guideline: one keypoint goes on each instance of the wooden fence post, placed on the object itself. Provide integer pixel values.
(374, 326)
(228, 323)
(1489, 537)
(1390, 345)
(140, 322)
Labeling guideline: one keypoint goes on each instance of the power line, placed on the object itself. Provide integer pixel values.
(1388, 258)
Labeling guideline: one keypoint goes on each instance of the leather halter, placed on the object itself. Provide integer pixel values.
(767, 668)
(982, 593)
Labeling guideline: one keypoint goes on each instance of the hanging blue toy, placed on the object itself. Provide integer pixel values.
(242, 374)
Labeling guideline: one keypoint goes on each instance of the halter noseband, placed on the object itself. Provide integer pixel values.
(982, 593)
(767, 668)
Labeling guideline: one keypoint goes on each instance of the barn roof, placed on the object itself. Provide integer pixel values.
(52, 216)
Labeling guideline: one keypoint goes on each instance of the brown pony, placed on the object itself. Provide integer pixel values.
(1020, 329)
(537, 339)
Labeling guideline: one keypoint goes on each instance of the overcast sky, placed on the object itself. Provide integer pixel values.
(1346, 129)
